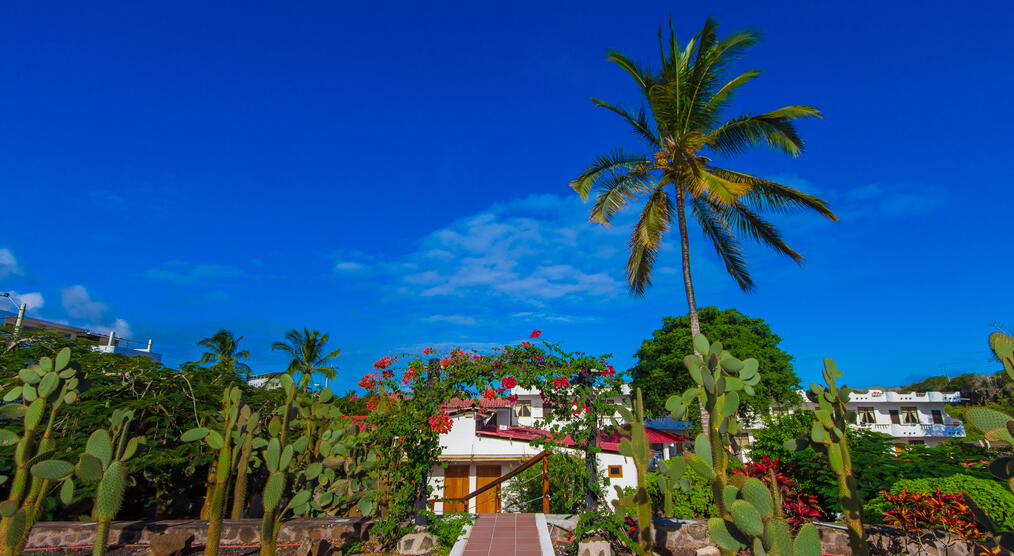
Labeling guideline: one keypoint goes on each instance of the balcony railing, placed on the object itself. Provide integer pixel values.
(954, 430)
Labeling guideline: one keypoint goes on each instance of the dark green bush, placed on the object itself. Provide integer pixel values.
(691, 504)
(991, 496)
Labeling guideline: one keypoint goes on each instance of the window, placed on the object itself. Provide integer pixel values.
(895, 417)
(615, 471)
(938, 417)
(867, 416)
(523, 408)
(909, 416)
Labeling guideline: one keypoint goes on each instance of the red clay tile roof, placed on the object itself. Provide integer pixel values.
(609, 442)
(458, 403)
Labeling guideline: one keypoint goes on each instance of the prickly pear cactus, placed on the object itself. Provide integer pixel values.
(750, 518)
(996, 427)
(829, 436)
(103, 462)
(637, 448)
(43, 390)
(226, 439)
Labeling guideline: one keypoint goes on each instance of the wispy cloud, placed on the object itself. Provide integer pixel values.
(463, 320)
(893, 201)
(185, 273)
(8, 264)
(79, 304)
(106, 197)
(32, 300)
(350, 267)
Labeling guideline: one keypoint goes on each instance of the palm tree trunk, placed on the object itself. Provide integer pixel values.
(688, 283)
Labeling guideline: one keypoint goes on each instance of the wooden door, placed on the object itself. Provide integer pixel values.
(455, 486)
(488, 502)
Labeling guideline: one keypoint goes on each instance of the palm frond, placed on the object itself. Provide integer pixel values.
(614, 190)
(641, 74)
(638, 122)
(748, 223)
(769, 195)
(718, 189)
(772, 128)
(646, 238)
(618, 160)
(724, 241)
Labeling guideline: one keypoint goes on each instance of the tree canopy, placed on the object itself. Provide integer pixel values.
(660, 371)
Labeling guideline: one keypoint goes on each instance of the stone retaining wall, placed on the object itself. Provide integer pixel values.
(239, 532)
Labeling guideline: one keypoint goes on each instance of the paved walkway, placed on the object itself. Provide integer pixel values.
(507, 535)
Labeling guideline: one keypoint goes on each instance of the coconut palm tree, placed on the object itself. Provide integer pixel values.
(223, 351)
(681, 125)
(308, 356)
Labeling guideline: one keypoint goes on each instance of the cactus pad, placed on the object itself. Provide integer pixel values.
(52, 470)
(110, 494)
(726, 535)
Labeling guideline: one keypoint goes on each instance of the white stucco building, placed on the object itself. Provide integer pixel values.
(909, 418)
(489, 438)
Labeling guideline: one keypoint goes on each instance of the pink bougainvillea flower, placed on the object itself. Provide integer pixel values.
(489, 394)
(609, 372)
(560, 382)
(441, 423)
(409, 376)
(476, 357)
(526, 344)
(536, 334)
(372, 403)
(508, 382)
(445, 362)
(513, 398)
(368, 382)
(427, 351)
(383, 362)
(387, 373)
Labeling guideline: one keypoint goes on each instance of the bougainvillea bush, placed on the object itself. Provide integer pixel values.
(405, 396)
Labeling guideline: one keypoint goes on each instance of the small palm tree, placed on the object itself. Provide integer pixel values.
(682, 126)
(223, 351)
(308, 355)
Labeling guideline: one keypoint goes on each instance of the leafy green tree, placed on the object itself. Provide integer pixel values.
(307, 349)
(660, 371)
(224, 352)
(682, 126)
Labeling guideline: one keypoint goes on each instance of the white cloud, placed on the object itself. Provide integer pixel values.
(33, 300)
(506, 251)
(463, 320)
(79, 304)
(8, 264)
(895, 201)
(350, 267)
(119, 326)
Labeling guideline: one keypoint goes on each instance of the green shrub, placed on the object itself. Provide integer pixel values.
(691, 504)
(991, 496)
(447, 528)
(566, 487)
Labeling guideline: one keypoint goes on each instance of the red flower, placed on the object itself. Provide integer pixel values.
(513, 398)
(368, 382)
(489, 394)
(387, 373)
(508, 382)
(410, 375)
(609, 372)
(384, 362)
(441, 423)
(477, 357)
(536, 334)
(445, 362)
(560, 382)
(372, 403)
(427, 351)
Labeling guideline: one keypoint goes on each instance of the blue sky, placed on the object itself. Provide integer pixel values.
(397, 176)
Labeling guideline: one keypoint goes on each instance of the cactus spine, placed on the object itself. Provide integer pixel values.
(829, 436)
(749, 516)
(43, 390)
(637, 448)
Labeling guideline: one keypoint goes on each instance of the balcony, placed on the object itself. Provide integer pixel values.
(954, 430)
(879, 396)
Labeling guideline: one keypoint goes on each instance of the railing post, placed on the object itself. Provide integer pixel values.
(545, 485)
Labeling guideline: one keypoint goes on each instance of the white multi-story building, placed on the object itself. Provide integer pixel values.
(909, 418)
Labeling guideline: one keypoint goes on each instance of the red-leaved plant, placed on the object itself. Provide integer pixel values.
(919, 512)
(797, 507)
